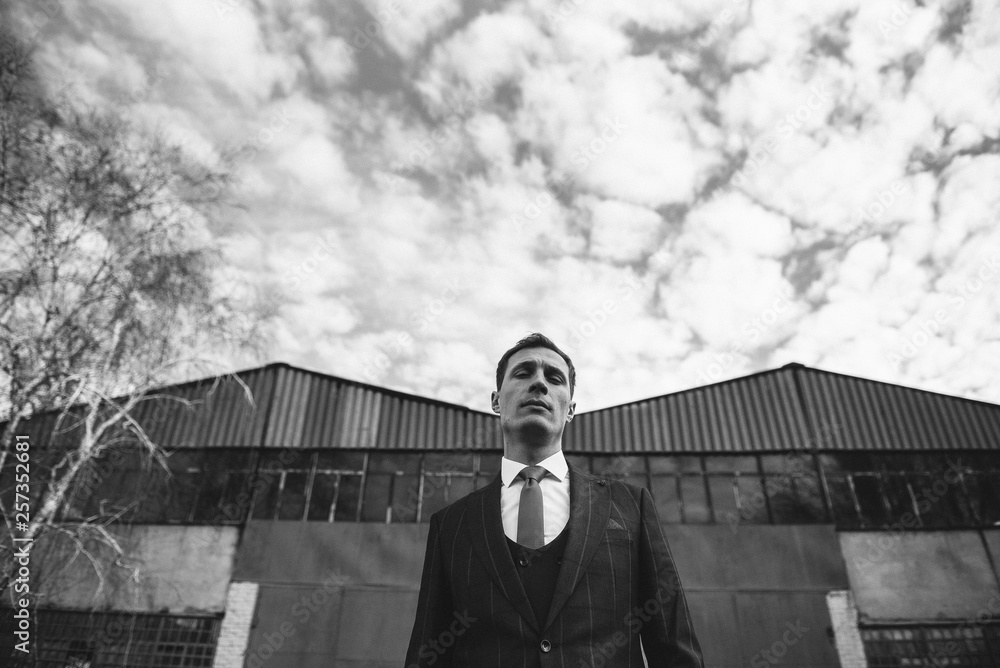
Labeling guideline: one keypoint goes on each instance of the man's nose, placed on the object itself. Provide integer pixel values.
(539, 385)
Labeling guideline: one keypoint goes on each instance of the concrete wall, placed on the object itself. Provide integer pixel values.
(345, 594)
(176, 569)
(927, 575)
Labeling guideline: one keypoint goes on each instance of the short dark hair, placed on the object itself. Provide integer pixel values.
(535, 340)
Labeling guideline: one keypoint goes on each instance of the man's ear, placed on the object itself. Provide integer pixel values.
(571, 412)
(495, 401)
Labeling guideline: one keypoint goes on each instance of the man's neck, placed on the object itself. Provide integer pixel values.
(529, 454)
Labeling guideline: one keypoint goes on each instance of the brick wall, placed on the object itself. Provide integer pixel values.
(844, 615)
(241, 600)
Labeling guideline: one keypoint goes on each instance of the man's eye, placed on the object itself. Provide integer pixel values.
(556, 379)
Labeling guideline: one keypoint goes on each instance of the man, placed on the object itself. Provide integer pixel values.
(548, 565)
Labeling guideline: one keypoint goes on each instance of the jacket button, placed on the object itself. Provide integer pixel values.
(546, 646)
(522, 561)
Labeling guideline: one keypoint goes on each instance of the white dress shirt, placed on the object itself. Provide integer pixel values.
(555, 495)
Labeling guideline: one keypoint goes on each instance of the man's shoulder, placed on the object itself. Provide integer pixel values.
(456, 510)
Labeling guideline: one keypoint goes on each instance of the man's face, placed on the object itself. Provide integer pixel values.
(535, 392)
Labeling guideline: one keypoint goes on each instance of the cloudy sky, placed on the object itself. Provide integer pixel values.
(676, 192)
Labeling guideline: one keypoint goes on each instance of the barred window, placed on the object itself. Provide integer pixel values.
(107, 639)
(912, 490)
(852, 490)
(970, 645)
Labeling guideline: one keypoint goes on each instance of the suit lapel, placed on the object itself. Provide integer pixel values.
(589, 510)
(490, 543)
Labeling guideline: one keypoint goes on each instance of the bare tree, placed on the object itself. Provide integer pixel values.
(108, 288)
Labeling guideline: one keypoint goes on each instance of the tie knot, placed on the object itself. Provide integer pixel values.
(535, 473)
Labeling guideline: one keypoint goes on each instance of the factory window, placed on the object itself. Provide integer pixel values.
(106, 639)
(912, 490)
(971, 645)
(194, 487)
(447, 477)
(392, 487)
(308, 484)
(228, 485)
(793, 489)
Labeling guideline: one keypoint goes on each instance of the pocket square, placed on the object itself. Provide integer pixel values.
(613, 524)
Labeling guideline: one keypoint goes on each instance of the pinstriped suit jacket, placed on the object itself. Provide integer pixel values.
(617, 584)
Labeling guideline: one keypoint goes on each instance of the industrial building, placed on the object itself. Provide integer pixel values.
(816, 519)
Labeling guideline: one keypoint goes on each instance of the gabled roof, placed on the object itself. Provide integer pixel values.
(790, 408)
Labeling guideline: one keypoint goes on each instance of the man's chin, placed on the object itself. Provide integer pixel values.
(536, 426)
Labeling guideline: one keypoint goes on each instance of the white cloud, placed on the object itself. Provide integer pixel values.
(621, 231)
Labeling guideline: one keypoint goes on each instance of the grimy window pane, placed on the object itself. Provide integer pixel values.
(448, 462)
(236, 498)
(723, 499)
(984, 490)
(753, 504)
(183, 492)
(489, 462)
(293, 496)
(434, 496)
(266, 498)
(782, 498)
(694, 500)
(619, 466)
(773, 463)
(690, 463)
(869, 493)
(348, 497)
(900, 502)
(663, 464)
(213, 486)
(340, 460)
(844, 513)
(321, 501)
(810, 494)
(376, 497)
(405, 495)
(390, 462)
(668, 504)
(730, 464)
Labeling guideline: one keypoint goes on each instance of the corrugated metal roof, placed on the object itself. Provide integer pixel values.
(790, 408)
(870, 415)
(759, 412)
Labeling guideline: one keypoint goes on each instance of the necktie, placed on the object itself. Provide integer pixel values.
(530, 520)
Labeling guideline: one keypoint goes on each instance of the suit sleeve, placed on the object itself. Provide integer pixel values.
(434, 608)
(668, 637)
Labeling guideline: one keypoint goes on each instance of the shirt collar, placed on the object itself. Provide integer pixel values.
(555, 464)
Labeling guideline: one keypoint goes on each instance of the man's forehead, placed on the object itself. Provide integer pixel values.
(545, 356)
